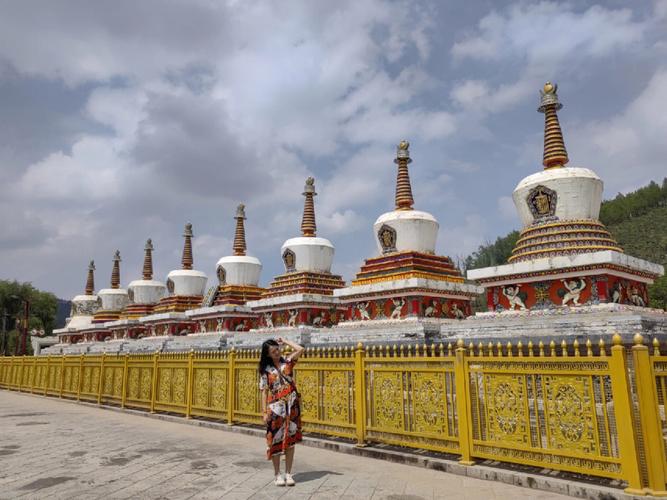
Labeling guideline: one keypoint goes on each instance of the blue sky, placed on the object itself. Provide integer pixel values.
(125, 120)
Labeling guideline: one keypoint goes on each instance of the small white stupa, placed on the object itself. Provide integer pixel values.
(112, 300)
(145, 293)
(185, 286)
(83, 306)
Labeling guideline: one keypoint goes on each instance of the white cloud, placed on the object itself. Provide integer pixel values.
(628, 149)
(548, 31)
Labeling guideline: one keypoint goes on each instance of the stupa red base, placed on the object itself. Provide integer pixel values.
(178, 303)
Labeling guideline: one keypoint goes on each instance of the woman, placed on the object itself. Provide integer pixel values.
(280, 405)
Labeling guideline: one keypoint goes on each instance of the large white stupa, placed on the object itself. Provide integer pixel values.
(564, 256)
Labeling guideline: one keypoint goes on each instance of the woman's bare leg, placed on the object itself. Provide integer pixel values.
(289, 459)
(276, 464)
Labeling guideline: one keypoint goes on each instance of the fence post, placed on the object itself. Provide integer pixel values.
(649, 418)
(360, 394)
(62, 375)
(154, 381)
(627, 444)
(231, 386)
(80, 381)
(123, 390)
(100, 383)
(21, 372)
(465, 427)
(190, 383)
(46, 376)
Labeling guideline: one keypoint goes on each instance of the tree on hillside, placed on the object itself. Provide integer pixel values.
(43, 306)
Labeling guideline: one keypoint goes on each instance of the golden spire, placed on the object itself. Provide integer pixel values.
(186, 260)
(404, 199)
(90, 281)
(115, 271)
(239, 246)
(308, 226)
(555, 154)
(148, 260)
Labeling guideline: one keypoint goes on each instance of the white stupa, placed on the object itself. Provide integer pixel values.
(146, 292)
(83, 306)
(186, 282)
(112, 300)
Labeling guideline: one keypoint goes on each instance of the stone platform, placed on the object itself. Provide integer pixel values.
(558, 324)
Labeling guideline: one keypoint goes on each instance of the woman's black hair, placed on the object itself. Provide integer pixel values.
(264, 358)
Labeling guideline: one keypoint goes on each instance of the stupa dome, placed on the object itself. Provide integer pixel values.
(239, 269)
(308, 253)
(405, 229)
(146, 290)
(186, 281)
(114, 298)
(84, 306)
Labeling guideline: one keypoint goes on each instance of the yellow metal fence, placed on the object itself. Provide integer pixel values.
(594, 410)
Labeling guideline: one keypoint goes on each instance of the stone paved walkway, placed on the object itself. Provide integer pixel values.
(56, 449)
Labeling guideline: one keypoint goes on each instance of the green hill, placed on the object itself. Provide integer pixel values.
(638, 221)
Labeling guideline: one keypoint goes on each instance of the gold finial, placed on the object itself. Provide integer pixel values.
(308, 226)
(90, 279)
(460, 343)
(148, 260)
(186, 259)
(239, 245)
(638, 339)
(115, 271)
(555, 154)
(616, 339)
(404, 199)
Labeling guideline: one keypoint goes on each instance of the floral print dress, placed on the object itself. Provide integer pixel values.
(284, 427)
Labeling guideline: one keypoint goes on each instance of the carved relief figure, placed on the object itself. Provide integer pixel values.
(515, 297)
(362, 307)
(290, 260)
(574, 288)
(222, 275)
(202, 326)
(617, 293)
(241, 326)
(268, 319)
(218, 325)
(542, 202)
(458, 312)
(387, 237)
(398, 308)
(636, 298)
(170, 286)
(431, 310)
(130, 294)
(293, 313)
(318, 321)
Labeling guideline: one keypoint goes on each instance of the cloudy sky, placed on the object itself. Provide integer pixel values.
(125, 120)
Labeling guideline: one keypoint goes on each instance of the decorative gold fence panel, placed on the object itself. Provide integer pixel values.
(71, 371)
(326, 382)
(246, 406)
(139, 391)
(545, 411)
(210, 384)
(411, 399)
(566, 408)
(172, 383)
